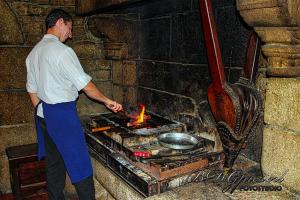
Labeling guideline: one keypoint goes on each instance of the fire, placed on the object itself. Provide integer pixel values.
(137, 119)
(140, 118)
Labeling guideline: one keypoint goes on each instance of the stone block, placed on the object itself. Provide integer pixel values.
(155, 39)
(32, 39)
(25, 19)
(87, 50)
(118, 93)
(101, 192)
(167, 104)
(62, 2)
(166, 7)
(15, 108)
(117, 71)
(10, 30)
(122, 29)
(187, 43)
(13, 67)
(4, 173)
(187, 80)
(86, 106)
(78, 21)
(36, 28)
(42, 2)
(282, 105)
(101, 75)
(131, 96)
(95, 64)
(110, 182)
(105, 87)
(281, 154)
(25, 8)
(115, 51)
(15, 135)
(129, 72)
(78, 32)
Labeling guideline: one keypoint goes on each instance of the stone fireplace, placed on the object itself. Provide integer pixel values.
(153, 52)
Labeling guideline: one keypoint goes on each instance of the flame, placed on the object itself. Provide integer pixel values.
(139, 118)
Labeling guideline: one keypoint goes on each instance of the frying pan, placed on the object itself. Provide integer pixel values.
(175, 140)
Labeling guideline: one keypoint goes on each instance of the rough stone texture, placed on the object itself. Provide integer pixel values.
(270, 12)
(129, 72)
(166, 104)
(95, 64)
(15, 108)
(86, 106)
(124, 72)
(16, 135)
(101, 75)
(12, 136)
(25, 8)
(12, 67)
(10, 30)
(63, 2)
(281, 153)
(131, 96)
(190, 191)
(115, 50)
(87, 49)
(117, 29)
(277, 23)
(118, 93)
(282, 106)
(187, 80)
(4, 173)
(112, 183)
(117, 71)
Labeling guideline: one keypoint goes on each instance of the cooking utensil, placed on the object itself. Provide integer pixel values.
(175, 140)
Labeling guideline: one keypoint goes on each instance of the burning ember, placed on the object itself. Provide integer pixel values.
(137, 119)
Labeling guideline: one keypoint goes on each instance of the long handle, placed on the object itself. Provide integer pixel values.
(212, 44)
(253, 49)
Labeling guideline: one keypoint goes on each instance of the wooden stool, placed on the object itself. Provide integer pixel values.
(27, 174)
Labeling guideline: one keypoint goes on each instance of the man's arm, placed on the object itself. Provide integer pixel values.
(92, 91)
(34, 99)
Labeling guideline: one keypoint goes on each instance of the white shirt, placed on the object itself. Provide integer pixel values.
(54, 72)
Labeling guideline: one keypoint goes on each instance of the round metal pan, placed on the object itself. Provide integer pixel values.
(176, 140)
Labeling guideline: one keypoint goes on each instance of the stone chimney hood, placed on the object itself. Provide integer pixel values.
(84, 7)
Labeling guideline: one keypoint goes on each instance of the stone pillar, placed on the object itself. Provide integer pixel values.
(277, 22)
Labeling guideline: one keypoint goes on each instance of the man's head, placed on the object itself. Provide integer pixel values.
(59, 22)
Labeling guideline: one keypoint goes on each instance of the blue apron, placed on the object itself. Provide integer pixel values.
(63, 126)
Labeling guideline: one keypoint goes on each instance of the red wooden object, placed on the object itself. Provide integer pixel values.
(220, 99)
(27, 174)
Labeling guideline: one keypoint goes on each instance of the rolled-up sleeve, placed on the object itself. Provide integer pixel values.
(72, 69)
(31, 85)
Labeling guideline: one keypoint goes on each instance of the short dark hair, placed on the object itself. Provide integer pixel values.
(55, 15)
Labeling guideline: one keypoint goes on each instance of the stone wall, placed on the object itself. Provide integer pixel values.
(277, 24)
(21, 27)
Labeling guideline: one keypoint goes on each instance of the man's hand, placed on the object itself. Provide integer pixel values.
(114, 106)
(93, 92)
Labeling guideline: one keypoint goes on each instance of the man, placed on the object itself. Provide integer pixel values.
(54, 77)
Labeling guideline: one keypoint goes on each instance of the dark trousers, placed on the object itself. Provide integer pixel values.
(56, 172)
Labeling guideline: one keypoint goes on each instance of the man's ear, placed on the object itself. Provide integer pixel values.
(59, 22)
